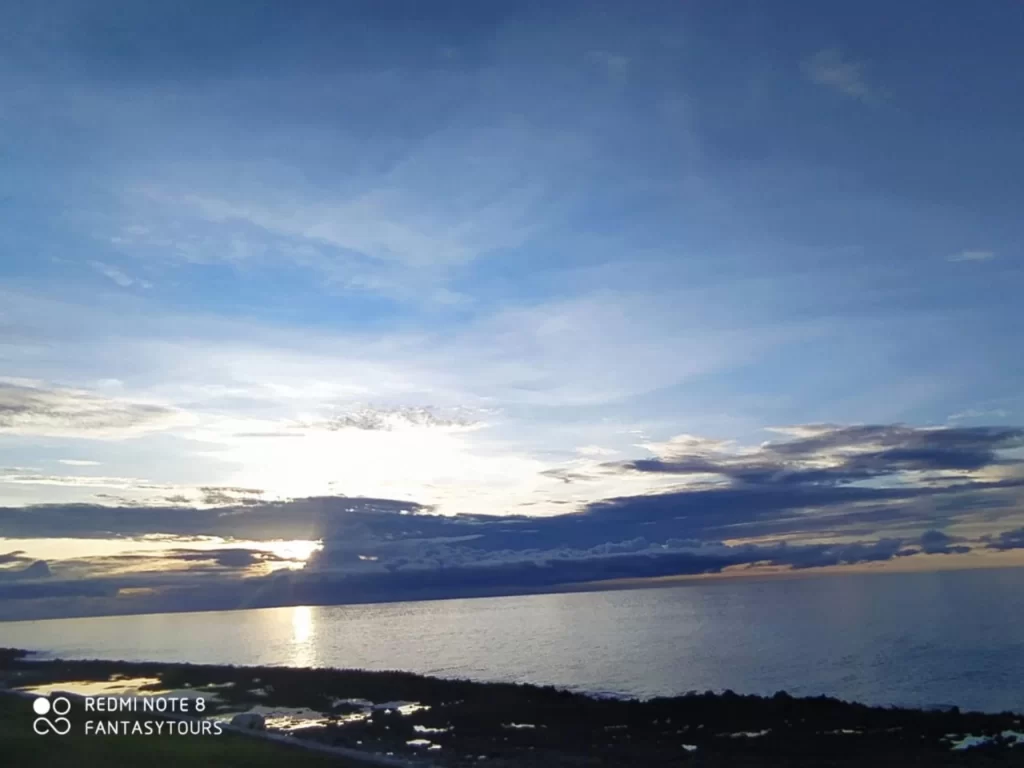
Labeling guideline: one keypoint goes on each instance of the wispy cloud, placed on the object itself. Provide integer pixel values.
(79, 462)
(391, 418)
(451, 199)
(38, 409)
(118, 276)
(595, 450)
(78, 481)
(979, 413)
(971, 256)
(831, 68)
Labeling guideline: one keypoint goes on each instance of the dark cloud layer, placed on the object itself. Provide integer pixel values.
(878, 492)
(311, 518)
(829, 455)
(1008, 540)
(839, 472)
(37, 570)
(225, 558)
(938, 543)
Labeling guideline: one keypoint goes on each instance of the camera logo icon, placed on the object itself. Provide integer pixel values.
(58, 724)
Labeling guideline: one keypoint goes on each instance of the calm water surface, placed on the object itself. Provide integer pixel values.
(913, 639)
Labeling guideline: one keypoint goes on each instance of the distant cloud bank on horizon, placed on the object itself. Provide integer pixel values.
(824, 495)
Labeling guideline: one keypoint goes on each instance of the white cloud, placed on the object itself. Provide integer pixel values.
(971, 256)
(467, 420)
(830, 68)
(78, 462)
(977, 413)
(117, 276)
(457, 195)
(74, 480)
(595, 450)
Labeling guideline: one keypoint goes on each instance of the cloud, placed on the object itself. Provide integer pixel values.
(595, 450)
(828, 455)
(117, 276)
(935, 542)
(172, 565)
(389, 419)
(826, 478)
(550, 353)
(81, 481)
(302, 519)
(380, 549)
(214, 580)
(224, 495)
(79, 462)
(565, 475)
(976, 413)
(36, 571)
(829, 67)
(39, 589)
(467, 190)
(16, 557)
(227, 558)
(1008, 540)
(971, 256)
(472, 413)
(35, 409)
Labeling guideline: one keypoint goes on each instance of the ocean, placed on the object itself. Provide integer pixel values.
(919, 639)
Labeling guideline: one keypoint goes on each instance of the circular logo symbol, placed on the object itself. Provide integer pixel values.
(59, 725)
(60, 706)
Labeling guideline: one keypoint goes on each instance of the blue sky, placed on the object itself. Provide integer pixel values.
(484, 257)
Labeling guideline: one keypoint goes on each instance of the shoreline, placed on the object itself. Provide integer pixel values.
(452, 723)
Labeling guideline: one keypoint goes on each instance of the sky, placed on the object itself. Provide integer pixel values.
(330, 301)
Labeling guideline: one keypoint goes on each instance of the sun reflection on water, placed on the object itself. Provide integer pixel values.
(303, 650)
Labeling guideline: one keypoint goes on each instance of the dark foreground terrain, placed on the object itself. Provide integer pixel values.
(456, 723)
(20, 747)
